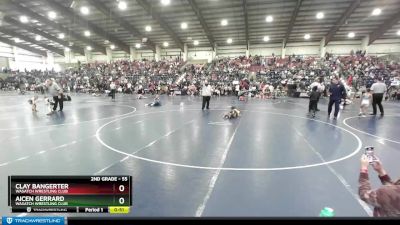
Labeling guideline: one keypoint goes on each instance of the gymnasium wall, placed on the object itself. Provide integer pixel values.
(16, 58)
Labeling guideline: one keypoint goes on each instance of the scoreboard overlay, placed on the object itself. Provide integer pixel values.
(70, 194)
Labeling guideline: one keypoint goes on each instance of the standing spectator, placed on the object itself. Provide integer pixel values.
(206, 93)
(56, 92)
(378, 89)
(386, 199)
(336, 92)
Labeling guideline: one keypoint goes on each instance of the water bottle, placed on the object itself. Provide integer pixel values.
(327, 212)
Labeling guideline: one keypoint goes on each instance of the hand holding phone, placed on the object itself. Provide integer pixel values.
(370, 153)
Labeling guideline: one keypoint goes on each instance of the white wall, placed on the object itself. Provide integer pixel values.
(266, 49)
(6, 50)
(303, 48)
(28, 60)
(231, 50)
(343, 47)
(3, 63)
(19, 59)
(171, 53)
(145, 54)
(383, 47)
(200, 54)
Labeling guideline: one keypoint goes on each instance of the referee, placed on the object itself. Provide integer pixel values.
(206, 93)
(378, 89)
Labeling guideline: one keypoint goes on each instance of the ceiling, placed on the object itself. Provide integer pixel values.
(292, 19)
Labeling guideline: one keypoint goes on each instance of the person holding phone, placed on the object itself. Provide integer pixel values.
(386, 199)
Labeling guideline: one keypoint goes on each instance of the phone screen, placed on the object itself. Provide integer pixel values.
(369, 152)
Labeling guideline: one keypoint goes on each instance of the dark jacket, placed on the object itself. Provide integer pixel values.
(337, 91)
(386, 199)
(314, 95)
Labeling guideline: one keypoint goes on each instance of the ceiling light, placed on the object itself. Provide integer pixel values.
(196, 42)
(224, 22)
(165, 44)
(89, 48)
(52, 15)
(106, 41)
(229, 41)
(320, 15)
(165, 2)
(84, 10)
(87, 33)
(266, 38)
(38, 38)
(148, 28)
(67, 49)
(71, 43)
(138, 45)
(269, 19)
(351, 35)
(184, 25)
(17, 40)
(23, 19)
(398, 32)
(376, 12)
(61, 36)
(122, 5)
(307, 36)
(112, 47)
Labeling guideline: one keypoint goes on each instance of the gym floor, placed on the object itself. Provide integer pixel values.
(272, 161)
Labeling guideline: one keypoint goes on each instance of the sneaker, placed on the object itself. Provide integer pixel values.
(360, 114)
(313, 115)
(363, 115)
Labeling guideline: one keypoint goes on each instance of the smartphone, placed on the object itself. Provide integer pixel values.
(370, 153)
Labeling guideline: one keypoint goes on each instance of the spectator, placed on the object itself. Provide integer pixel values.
(386, 199)
(336, 92)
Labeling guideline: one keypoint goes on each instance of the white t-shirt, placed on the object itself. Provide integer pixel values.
(206, 90)
(378, 88)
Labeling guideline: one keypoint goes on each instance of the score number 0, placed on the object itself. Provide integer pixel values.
(121, 188)
(121, 200)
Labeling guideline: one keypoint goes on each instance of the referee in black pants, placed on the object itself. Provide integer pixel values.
(206, 93)
(378, 89)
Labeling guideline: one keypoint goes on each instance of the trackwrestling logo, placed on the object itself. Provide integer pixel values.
(33, 220)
